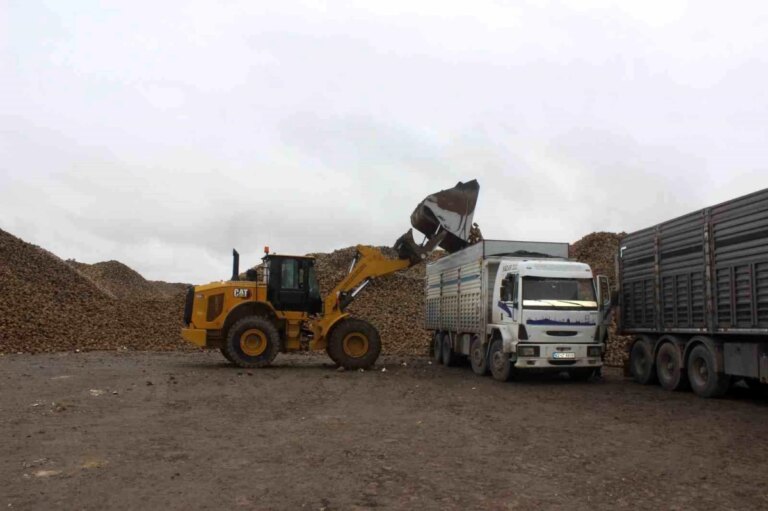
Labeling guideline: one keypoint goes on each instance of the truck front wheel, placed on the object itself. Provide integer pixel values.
(354, 344)
(641, 362)
(705, 380)
(501, 367)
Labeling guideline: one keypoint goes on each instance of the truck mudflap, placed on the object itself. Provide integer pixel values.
(195, 336)
(558, 356)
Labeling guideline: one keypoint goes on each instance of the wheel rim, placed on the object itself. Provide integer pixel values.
(253, 342)
(699, 372)
(498, 361)
(666, 366)
(355, 345)
(477, 356)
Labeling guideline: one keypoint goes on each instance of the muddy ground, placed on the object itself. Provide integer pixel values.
(185, 431)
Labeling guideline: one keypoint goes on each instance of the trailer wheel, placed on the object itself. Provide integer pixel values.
(641, 362)
(477, 357)
(437, 347)
(669, 367)
(501, 366)
(354, 344)
(705, 380)
(252, 342)
(449, 356)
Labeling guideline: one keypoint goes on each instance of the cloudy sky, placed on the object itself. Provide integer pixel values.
(162, 134)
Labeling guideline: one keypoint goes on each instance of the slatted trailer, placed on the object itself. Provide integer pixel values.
(694, 293)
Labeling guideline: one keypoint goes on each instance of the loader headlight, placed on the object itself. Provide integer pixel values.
(594, 351)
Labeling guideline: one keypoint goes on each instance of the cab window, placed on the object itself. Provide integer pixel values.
(508, 292)
(290, 274)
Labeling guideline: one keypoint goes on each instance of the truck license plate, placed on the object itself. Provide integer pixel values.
(563, 354)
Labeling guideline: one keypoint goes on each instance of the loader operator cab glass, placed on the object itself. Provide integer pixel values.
(292, 285)
(559, 293)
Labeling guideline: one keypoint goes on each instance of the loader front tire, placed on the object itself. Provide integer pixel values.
(354, 344)
(252, 342)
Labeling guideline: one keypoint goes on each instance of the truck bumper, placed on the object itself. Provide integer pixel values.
(194, 335)
(546, 356)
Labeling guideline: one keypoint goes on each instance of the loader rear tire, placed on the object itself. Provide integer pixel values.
(226, 355)
(252, 342)
(354, 344)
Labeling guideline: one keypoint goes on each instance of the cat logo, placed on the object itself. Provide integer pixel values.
(242, 293)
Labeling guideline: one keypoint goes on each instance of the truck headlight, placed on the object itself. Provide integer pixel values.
(527, 351)
(594, 351)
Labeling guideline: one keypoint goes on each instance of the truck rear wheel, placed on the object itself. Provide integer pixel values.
(252, 342)
(501, 367)
(354, 344)
(449, 356)
(641, 362)
(477, 357)
(705, 380)
(437, 347)
(669, 367)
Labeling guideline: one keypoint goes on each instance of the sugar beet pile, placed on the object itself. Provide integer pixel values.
(48, 304)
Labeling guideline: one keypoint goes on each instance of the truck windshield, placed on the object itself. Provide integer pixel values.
(549, 292)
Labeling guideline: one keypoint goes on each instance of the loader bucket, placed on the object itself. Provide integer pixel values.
(448, 211)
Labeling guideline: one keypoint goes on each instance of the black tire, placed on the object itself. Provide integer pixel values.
(705, 381)
(500, 365)
(581, 373)
(449, 356)
(669, 367)
(437, 348)
(252, 342)
(477, 357)
(641, 362)
(226, 355)
(354, 344)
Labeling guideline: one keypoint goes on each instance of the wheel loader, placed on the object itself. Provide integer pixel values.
(279, 309)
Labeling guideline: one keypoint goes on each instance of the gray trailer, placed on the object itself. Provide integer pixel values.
(516, 306)
(694, 293)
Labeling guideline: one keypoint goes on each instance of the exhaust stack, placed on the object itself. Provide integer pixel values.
(235, 265)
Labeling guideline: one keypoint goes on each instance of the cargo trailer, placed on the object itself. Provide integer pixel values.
(694, 293)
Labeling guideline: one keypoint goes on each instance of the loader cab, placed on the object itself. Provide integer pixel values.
(292, 283)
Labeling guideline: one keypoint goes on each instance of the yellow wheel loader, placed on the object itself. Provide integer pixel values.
(279, 309)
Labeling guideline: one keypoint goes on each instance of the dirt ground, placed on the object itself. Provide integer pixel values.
(130, 430)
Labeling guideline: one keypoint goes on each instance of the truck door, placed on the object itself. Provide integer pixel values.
(509, 299)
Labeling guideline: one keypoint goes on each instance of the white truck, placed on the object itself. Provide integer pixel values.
(517, 306)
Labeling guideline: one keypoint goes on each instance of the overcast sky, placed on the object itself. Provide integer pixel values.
(163, 133)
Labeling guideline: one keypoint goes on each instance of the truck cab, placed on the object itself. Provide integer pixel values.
(548, 315)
